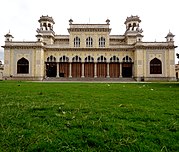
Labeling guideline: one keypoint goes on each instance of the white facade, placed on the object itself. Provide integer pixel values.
(89, 51)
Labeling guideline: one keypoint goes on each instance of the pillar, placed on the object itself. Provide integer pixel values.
(83, 70)
(95, 70)
(70, 76)
(108, 76)
(120, 75)
(57, 70)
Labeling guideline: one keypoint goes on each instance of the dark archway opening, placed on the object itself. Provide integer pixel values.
(22, 66)
(51, 69)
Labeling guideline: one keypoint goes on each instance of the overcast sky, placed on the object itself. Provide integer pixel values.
(21, 16)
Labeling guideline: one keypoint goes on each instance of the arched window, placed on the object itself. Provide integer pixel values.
(23, 66)
(64, 59)
(102, 42)
(89, 42)
(76, 42)
(51, 59)
(155, 66)
(114, 59)
(76, 59)
(127, 59)
(101, 59)
(89, 59)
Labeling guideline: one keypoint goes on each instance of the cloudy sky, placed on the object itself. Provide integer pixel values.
(21, 16)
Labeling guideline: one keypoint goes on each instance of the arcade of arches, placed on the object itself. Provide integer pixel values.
(89, 68)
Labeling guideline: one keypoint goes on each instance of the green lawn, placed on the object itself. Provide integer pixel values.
(37, 116)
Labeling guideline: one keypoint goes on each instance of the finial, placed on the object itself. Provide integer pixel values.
(70, 21)
(107, 21)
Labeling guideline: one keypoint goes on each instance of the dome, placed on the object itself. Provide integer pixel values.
(46, 18)
(169, 35)
(132, 18)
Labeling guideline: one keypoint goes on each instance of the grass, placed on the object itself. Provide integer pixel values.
(89, 117)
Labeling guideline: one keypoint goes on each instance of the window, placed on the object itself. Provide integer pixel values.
(89, 42)
(76, 42)
(101, 42)
(127, 59)
(23, 66)
(155, 66)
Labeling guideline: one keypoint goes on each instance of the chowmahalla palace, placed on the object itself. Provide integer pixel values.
(89, 52)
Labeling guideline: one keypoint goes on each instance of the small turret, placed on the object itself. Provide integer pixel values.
(139, 37)
(39, 37)
(169, 37)
(8, 37)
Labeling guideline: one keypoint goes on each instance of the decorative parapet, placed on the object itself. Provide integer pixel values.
(21, 44)
(154, 45)
(89, 27)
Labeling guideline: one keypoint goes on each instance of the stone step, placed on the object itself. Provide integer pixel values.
(88, 79)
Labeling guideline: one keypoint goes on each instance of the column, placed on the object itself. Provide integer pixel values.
(95, 70)
(108, 76)
(70, 76)
(83, 70)
(120, 75)
(45, 70)
(57, 70)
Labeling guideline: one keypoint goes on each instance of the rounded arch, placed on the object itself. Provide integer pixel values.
(89, 59)
(64, 59)
(127, 59)
(101, 59)
(51, 59)
(23, 66)
(155, 66)
(114, 59)
(76, 59)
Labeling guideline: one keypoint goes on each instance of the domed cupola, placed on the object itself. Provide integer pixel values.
(8, 37)
(170, 37)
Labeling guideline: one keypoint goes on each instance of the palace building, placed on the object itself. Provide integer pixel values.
(89, 52)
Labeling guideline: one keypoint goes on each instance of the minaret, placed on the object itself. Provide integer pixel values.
(133, 30)
(46, 29)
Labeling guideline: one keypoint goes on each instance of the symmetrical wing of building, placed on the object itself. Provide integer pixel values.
(89, 51)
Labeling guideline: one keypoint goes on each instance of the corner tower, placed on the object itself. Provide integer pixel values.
(133, 30)
(46, 29)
